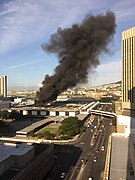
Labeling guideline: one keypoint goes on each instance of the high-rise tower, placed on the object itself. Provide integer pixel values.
(3, 86)
(126, 118)
(128, 65)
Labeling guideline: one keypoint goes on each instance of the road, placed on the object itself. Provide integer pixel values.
(95, 169)
(76, 158)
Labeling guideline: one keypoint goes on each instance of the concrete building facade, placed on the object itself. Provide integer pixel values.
(3, 86)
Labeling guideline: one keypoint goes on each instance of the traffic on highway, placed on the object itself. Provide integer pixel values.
(84, 158)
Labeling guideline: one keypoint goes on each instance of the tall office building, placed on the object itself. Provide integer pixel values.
(3, 86)
(128, 65)
(125, 169)
(126, 119)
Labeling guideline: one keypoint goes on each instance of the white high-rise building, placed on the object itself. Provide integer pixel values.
(3, 86)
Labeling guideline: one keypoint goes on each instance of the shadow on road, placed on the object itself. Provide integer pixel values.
(66, 158)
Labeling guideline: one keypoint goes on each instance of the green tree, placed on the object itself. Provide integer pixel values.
(48, 135)
(4, 114)
(70, 126)
(39, 135)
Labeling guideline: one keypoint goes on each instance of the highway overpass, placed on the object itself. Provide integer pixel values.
(103, 113)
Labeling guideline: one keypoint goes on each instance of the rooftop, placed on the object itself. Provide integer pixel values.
(39, 123)
(119, 157)
(8, 149)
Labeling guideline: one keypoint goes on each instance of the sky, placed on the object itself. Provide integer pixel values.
(27, 24)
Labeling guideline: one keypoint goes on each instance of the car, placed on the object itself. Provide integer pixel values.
(63, 174)
(90, 178)
(82, 142)
(97, 151)
(92, 143)
(83, 162)
(102, 148)
(95, 159)
(55, 157)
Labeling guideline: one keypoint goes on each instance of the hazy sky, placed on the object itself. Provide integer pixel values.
(26, 24)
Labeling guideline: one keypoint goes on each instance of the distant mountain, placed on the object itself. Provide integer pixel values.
(23, 88)
(118, 82)
(36, 88)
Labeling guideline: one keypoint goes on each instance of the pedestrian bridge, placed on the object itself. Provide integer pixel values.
(103, 113)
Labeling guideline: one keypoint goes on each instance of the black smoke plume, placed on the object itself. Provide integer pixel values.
(78, 50)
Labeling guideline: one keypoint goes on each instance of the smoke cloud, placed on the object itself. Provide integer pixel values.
(78, 49)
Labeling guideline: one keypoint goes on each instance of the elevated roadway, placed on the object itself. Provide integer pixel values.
(103, 113)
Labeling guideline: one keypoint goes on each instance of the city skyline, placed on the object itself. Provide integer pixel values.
(23, 31)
